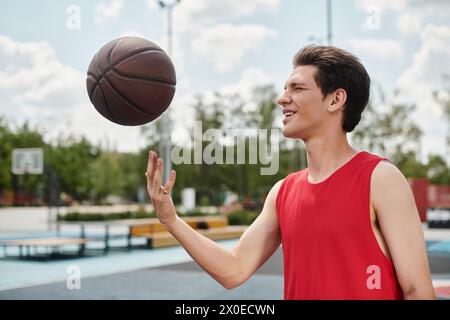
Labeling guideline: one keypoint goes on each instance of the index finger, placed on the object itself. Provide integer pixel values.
(150, 166)
(156, 183)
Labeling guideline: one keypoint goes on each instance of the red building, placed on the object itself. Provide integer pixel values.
(432, 201)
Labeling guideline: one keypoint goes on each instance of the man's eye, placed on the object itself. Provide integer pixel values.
(298, 89)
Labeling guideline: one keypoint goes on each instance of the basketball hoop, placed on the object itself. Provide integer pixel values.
(27, 161)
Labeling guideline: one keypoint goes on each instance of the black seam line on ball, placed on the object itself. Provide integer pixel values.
(126, 99)
(109, 61)
(91, 92)
(96, 66)
(93, 76)
(95, 59)
(154, 81)
(110, 65)
(134, 53)
(113, 117)
(127, 56)
(103, 93)
(114, 67)
(120, 61)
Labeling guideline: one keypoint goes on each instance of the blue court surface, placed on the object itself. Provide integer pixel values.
(164, 273)
(439, 247)
(17, 273)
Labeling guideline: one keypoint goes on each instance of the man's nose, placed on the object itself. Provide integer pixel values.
(283, 100)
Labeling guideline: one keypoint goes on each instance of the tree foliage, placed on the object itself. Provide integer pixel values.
(88, 172)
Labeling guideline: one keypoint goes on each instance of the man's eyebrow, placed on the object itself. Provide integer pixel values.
(294, 84)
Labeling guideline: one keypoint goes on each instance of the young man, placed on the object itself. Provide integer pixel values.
(348, 223)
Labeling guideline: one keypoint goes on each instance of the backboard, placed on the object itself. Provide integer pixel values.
(27, 160)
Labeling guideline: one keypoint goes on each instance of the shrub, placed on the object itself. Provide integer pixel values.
(242, 217)
(193, 213)
(78, 216)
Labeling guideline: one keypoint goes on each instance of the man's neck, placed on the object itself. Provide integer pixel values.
(326, 155)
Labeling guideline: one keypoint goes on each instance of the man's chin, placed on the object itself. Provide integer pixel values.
(291, 134)
(288, 133)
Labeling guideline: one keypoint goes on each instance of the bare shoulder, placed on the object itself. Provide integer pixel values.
(273, 193)
(387, 176)
(269, 208)
(389, 186)
(277, 186)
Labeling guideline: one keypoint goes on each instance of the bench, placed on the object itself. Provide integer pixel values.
(212, 227)
(155, 233)
(165, 239)
(147, 228)
(52, 242)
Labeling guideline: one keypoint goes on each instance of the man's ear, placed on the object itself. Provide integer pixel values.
(336, 100)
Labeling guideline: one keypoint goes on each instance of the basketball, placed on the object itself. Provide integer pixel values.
(131, 81)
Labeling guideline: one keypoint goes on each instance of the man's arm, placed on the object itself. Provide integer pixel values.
(234, 267)
(399, 221)
(229, 268)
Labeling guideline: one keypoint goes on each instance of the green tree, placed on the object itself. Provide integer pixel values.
(438, 170)
(409, 165)
(443, 98)
(71, 159)
(6, 147)
(132, 175)
(388, 133)
(107, 175)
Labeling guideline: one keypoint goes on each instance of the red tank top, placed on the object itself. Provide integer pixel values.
(329, 248)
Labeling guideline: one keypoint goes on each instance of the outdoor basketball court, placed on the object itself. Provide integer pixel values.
(165, 273)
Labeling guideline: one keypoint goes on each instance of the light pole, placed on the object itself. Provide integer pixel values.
(329, 34)
(164, 141)
(329, 38)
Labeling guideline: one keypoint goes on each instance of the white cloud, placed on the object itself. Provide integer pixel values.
(422, 3)
(85, 120)
(409, 23)
(152, 4)
(225, 45)
(182, 108)
(106, 11)
(193, 15)
(437, 9)
(382, 4)
(132, 33)
(249, 80)
(32, 77)
(380, 48)
(421, 78)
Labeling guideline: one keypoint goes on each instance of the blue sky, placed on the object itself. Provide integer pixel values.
(218, 45)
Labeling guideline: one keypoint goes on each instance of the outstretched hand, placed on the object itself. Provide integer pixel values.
(160, 195)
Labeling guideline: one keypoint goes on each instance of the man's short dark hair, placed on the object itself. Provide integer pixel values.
(338, 68)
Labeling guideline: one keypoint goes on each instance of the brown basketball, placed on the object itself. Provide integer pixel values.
(131, 81)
